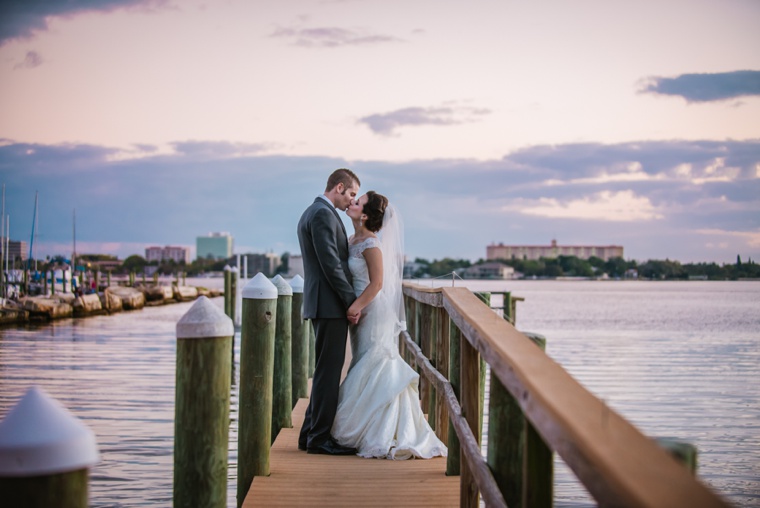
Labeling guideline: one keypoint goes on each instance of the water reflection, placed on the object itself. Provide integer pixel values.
(677, 359)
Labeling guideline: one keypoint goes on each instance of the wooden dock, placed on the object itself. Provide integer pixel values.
(299, 479)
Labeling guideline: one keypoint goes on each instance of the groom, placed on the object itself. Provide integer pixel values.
(326, 297)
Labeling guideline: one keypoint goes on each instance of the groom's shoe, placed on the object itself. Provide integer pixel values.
(330, 447)
(301, 447)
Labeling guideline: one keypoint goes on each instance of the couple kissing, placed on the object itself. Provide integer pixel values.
(352, 287)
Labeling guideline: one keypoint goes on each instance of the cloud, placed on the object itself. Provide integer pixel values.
(752, 238)
(20, 19)
(32, 60)
(623, 206)
(706, 87)
(331, 37)
(639, 195)
(386, 124)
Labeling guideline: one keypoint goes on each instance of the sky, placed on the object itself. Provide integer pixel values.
(484, 121)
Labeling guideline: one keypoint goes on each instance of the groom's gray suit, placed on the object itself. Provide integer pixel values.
(326, 297)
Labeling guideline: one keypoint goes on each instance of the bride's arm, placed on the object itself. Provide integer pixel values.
(374, 259)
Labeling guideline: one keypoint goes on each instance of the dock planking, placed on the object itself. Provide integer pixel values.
(299, 479)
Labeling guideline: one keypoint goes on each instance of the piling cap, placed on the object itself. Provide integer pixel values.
(260, 288)
(234, 269)
(227, 268)
(283, 288)
(204, 319)
(297, 284)
(40, 437)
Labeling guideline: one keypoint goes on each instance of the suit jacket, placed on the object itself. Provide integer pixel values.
(327, 291)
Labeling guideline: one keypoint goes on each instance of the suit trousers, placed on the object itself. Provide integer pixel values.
(330, 351)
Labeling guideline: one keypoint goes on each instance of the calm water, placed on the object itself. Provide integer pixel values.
(678, 359)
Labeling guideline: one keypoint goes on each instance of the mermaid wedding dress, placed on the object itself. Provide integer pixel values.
(379, 410)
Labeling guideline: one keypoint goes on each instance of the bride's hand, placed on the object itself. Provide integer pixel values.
(353, 315)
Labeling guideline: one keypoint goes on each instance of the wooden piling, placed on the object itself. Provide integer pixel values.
(282, 389)
(234, 278)
(44, 283)
(202, 406)
(256, 381)
(45, 453)
(300, 345)
(227, 290)
(52, 282)
(455, 338)
(521, 463)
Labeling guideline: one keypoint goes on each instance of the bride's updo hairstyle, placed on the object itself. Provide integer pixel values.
(374, 209)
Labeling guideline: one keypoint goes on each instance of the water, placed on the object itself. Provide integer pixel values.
(678, 359)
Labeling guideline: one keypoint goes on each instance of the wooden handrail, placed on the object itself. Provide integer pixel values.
(616, 463)
(470, 447)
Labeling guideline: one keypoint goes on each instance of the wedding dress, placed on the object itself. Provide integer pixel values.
(379, 410)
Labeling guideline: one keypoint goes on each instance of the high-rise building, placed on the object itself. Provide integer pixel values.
(214, 246)
(507, 252)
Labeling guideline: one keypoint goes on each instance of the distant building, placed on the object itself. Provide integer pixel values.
(295, 265)
(169, 252)
(489, 271)
(264, 263)
(214, 246)
(16, 250)
(501, 251)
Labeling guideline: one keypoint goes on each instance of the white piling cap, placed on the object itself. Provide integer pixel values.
(234, 269)
(227, 268)
(283, 288)
(203, 320)
(260, 288)
(39, 437)
(297, 284)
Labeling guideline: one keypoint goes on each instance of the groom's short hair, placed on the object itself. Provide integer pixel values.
(344, 176)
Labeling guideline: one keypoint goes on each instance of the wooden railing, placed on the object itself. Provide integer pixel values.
(450, 333)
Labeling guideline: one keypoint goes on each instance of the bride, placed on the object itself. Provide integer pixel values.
(379, 411)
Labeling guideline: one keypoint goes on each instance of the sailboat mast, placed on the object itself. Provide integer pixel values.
(31, 239)
(74, 254)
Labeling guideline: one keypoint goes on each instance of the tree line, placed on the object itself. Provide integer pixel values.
(616, 268)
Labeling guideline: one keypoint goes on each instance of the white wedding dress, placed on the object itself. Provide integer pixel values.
(379, 410)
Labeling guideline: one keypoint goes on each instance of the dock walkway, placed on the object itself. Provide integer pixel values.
(299, 479)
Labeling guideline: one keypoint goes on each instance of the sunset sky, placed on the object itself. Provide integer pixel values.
(588, 122)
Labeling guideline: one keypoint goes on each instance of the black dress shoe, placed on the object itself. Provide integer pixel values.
(330, 447)
(302, 447)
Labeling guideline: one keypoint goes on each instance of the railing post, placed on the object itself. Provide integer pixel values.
(234, 277)
(538, 483)
(427, 344)
(256, 381)
(442, 365)
(455, 339)
(45, 453)
(486, 299)
(282, 390)
(202, 406)
(470, 390)
(300, 334)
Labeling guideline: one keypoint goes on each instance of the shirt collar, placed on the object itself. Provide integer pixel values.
(327, 200)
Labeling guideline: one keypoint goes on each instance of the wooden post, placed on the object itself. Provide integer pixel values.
(312, 348)
(44, 283)
(234, 278)
(184, 278)
(470, 390)
(202, 406)
(256, 381)
(300, 345)
(52, 281)
(508, 310)
(143, 277)
(155, 279)
(132, 279)
(485, 298)
(282, 390)
(455, 338)
(45, 453)
(63, 280)
(227, 289)
(108, 278)
(522, 464)
(427, 344)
